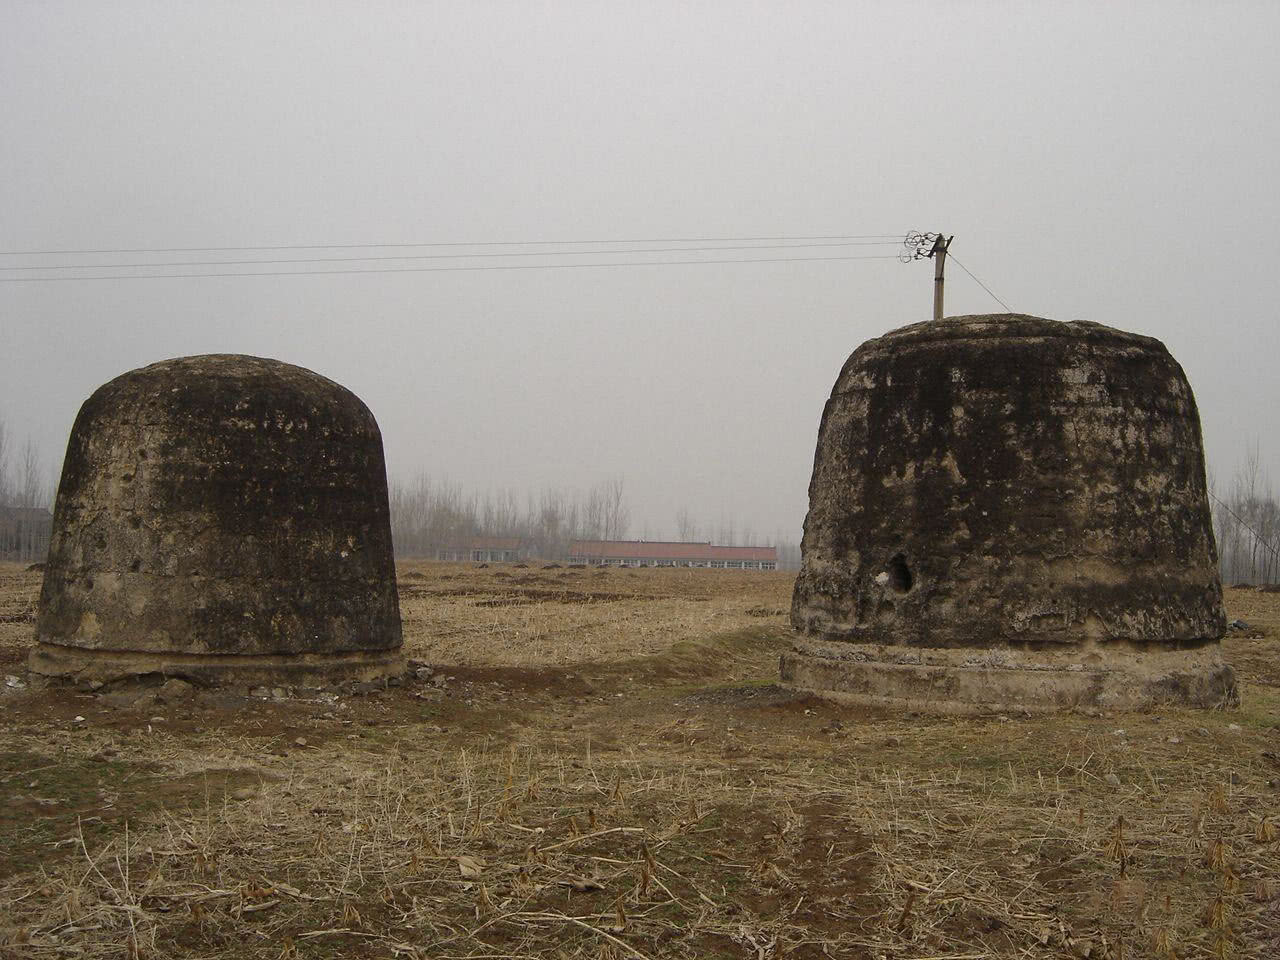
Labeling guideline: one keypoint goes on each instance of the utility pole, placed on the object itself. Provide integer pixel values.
(926, 246)
(939, 254)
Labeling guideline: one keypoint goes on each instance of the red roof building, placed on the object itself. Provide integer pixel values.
(658, 553)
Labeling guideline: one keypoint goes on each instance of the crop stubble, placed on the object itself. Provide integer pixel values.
(603, 768)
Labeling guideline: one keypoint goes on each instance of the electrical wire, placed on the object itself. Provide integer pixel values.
(521, 266)
(436, 256)
(1263, 541)
(885, 237)
(980, 283)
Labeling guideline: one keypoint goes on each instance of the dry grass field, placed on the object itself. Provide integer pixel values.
(597, 764)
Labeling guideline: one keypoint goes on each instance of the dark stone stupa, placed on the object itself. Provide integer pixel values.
(1008, 511)
(223, 519)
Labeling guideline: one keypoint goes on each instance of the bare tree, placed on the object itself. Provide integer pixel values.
(594, 509)
(24, 501)
(788, 552)
(429, 515)
(1246, 524)
(617, 515)
(6, 494)
(30, 482)
(686, 527)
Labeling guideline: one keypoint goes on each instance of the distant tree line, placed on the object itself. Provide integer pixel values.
(428, 515)
(25, 498)
(1246, 524)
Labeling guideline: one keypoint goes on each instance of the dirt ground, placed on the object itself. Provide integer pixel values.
(598, 764)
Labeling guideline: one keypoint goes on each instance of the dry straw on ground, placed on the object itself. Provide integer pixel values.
(600, 767)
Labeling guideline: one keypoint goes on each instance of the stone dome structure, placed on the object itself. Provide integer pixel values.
(1010, 512)
(223, 519)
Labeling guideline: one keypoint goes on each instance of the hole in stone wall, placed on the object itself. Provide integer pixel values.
(900, 579)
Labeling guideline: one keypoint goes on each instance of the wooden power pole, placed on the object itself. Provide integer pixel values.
(925, 246)
(939, 254)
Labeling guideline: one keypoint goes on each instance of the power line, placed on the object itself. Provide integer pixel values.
(450, 243)
(437, 256)
(981, 284)
(1275, 551)
(521, 266)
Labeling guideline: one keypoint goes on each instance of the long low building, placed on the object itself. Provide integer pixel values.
(658, 553)
(485, 550)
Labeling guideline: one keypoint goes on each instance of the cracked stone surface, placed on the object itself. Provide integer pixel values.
(1006, 481)
(219, 511)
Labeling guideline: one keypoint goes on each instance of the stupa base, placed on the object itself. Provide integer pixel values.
(1108, 676)
(310, 670)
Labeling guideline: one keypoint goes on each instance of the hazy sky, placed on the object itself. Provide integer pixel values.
(1112, 162)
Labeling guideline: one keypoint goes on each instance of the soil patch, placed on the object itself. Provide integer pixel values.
(53, 805)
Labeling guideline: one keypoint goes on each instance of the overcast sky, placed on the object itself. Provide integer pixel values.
(1113, 162)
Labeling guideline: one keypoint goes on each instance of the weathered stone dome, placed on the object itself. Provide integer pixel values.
(221, 518)
(1010, 510)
